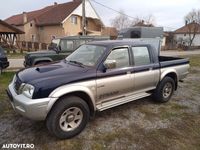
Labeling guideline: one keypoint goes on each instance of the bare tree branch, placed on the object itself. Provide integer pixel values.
(121, 21)
(192, 20)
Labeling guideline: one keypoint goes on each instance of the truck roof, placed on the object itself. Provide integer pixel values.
(84, 37)
(155, 42)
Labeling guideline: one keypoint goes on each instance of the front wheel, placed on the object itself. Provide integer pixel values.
(164, 90)
(68, 117)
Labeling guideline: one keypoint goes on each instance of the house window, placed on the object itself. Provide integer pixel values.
(74, 19)
(185, 34)
(31, 24)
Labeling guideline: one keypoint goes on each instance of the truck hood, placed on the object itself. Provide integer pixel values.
(54, 71)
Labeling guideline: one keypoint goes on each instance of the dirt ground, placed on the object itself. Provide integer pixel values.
(141, 125)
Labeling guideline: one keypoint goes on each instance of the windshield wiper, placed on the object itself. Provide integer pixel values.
(76, 62)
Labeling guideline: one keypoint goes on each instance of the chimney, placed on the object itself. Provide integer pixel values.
(55, 3)
(25, 20)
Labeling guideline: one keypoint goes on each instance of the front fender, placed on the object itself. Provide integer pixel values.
(67, 89)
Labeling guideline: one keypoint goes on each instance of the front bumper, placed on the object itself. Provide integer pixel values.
(34, 109)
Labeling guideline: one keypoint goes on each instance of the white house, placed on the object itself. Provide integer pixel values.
(182, 35)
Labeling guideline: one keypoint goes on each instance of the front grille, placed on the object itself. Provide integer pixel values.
(17, 84)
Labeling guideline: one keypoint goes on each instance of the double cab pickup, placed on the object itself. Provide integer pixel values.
(97, 76)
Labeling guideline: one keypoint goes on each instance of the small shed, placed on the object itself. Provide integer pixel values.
(9, 35)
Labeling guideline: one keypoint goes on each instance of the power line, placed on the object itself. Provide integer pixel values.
(114, 10)
(121, 12)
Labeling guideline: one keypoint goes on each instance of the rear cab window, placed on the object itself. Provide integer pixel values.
(141, 55)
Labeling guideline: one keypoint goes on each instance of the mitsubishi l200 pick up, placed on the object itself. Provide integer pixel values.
(97, 76)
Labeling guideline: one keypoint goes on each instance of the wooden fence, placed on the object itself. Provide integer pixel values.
(32, 46)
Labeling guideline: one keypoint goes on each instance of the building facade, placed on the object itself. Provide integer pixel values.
(57, 20)
(185, 33)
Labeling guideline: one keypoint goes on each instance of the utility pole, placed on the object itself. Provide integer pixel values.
(83, 18)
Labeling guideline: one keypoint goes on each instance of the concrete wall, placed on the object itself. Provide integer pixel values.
(185, 37)
(93, 26)
(46, 33)
(21, 36)
(31, 32)
(71, 29)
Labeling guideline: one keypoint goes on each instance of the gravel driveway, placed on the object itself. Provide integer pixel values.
(142, 124)
(16, 63)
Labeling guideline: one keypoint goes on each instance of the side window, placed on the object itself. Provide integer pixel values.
(120, 56)
(66, 45)
(141, 56)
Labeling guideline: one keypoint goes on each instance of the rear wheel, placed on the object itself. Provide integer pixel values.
(68, 117)
(164, 90)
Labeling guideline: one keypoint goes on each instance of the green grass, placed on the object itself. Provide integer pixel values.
(5, 78)
(194, 60)
(178, 107)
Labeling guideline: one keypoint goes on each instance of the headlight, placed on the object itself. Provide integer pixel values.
(27, 90)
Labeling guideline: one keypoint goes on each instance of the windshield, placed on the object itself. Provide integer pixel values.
(87, 55)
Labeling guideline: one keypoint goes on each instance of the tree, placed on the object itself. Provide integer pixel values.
(148, 21)
(192, 21)
(121, 21)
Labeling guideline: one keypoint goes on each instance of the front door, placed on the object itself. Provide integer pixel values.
(116, 82)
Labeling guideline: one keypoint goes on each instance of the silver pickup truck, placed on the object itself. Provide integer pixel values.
(97, 76)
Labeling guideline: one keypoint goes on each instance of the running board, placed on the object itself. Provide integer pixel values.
(120, 101)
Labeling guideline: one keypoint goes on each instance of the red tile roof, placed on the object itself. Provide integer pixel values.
(49, 15)
(11, 27)
(187, 28)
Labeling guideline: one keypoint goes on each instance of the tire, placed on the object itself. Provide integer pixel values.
(68, 117)
(164, 90)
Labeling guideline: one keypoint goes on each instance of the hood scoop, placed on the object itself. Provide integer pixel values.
(47, 68)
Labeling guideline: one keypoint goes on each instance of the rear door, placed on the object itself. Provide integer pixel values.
(145, 72)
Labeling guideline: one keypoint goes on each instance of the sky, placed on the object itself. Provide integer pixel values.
(167, 13)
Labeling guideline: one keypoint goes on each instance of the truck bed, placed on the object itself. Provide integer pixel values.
(166, 61)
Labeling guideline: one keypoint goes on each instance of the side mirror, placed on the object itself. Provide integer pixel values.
(110, 64)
